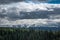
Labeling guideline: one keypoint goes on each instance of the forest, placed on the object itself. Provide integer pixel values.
(28, 34)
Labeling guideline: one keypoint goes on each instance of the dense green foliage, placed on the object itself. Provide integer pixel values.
(26, 34)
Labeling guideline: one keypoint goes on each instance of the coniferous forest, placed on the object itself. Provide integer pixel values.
(28, 34)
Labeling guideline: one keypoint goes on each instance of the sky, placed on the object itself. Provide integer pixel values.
(45, 13)
(55, 1)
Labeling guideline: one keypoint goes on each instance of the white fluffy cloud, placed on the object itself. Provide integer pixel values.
(29, 22)
(28, 7)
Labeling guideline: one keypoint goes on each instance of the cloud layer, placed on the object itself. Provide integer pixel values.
(40, 14)
(14, 1)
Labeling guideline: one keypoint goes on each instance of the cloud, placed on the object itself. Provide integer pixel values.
(36, 1)
(42, 14)
(23, 10)
(9, 1)
(32, 22)
(42, 0)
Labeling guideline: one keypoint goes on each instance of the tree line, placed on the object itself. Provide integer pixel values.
(28, 34)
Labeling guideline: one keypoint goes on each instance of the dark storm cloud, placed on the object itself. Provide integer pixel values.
(14, 15)
(12, 1)
(43, 0)
(9, 1)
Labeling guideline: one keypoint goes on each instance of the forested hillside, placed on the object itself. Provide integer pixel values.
(28, 34)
